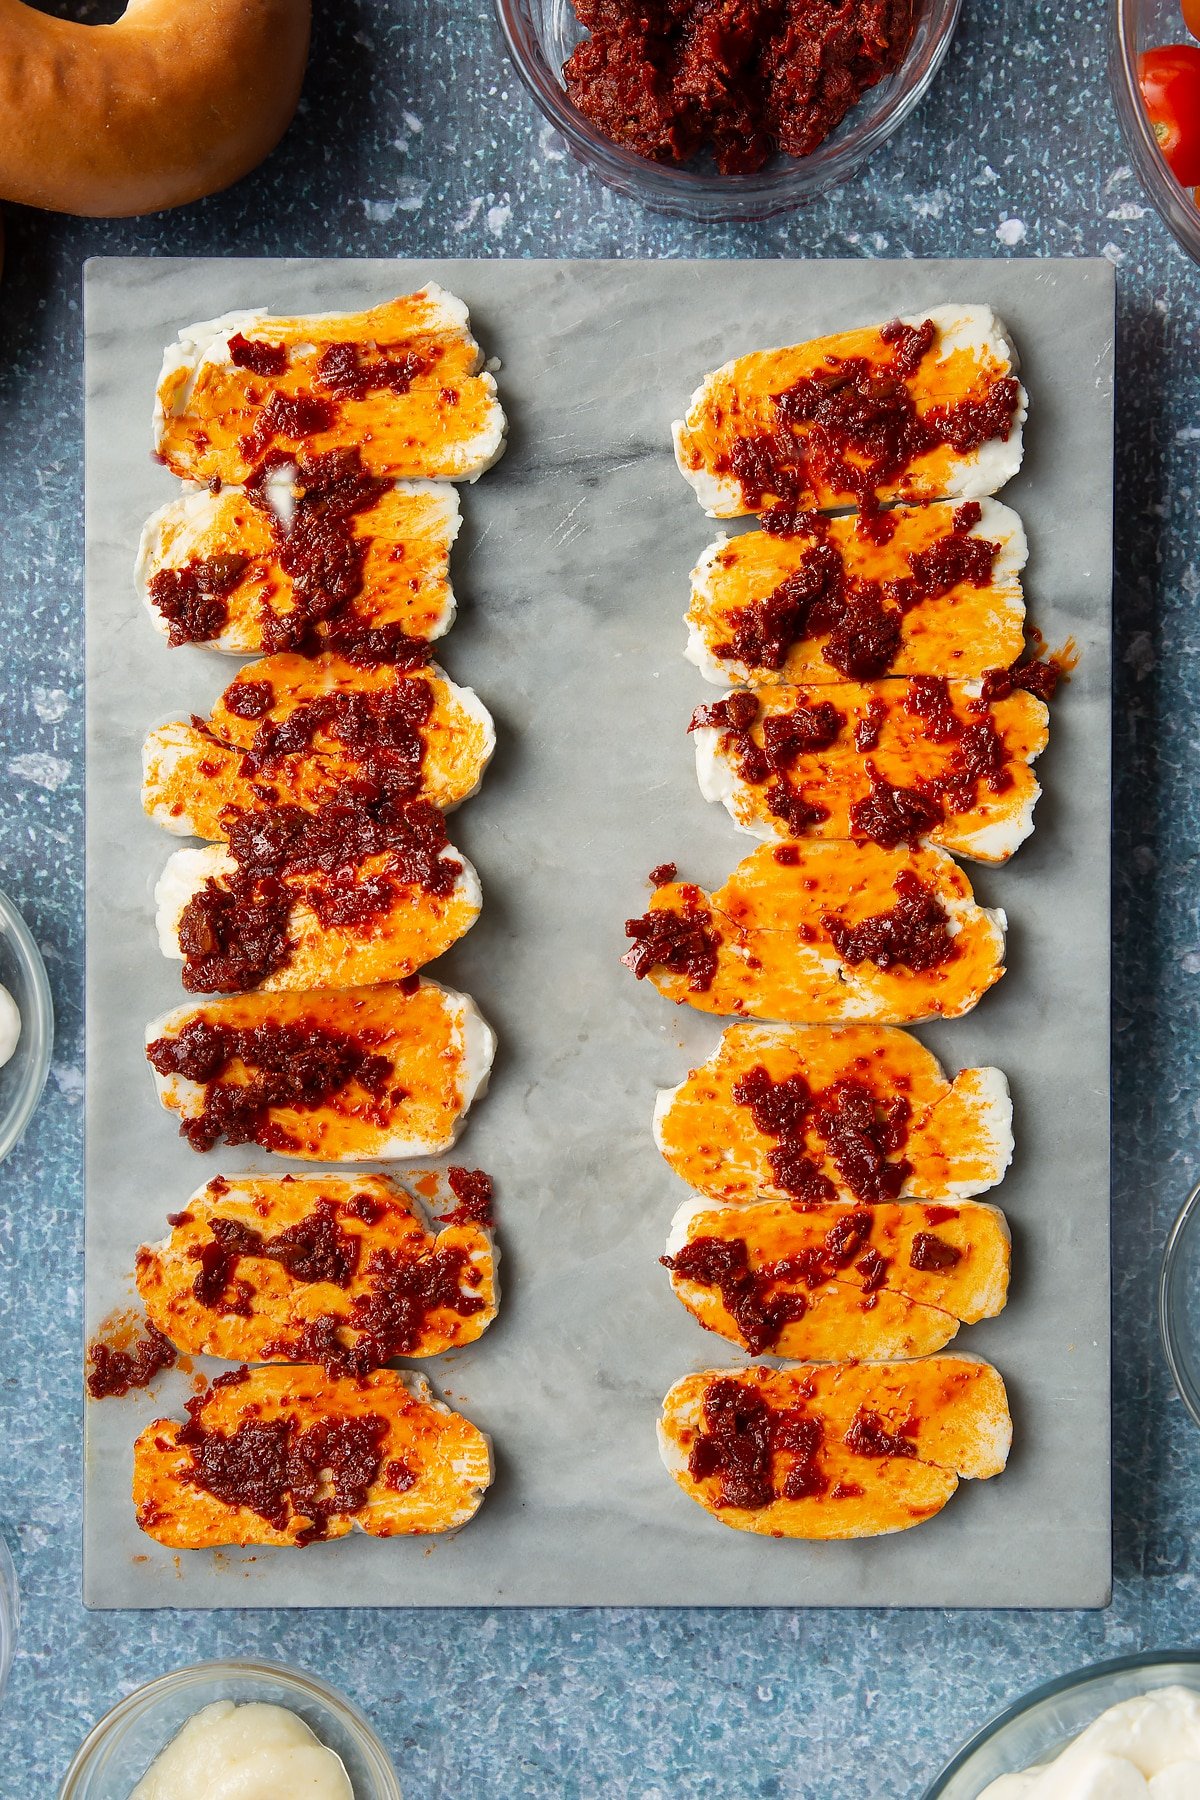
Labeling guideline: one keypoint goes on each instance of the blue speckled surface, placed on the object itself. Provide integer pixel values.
(435, 150)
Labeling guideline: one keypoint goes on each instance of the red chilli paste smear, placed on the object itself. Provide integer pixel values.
(860, 619)
(861, 1137)
(294, 1066)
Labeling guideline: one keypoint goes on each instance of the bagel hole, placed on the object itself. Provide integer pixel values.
(84, 12)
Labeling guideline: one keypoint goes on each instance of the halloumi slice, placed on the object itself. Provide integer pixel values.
(774, 419)
(403, 381)
(216, 568)
(289, 730)
(287, 1456)
(834, 1450)
(773, 1114)
(830, 603)
(839, 1281)
(341, 1270)
(397, 935)
(355, 1074)
(919, 761)
(824, 933)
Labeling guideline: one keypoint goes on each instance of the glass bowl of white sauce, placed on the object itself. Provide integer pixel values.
(1041, 1726)
(126, 1743)
(26, 1009)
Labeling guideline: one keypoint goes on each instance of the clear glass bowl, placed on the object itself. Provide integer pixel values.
(541, 34)
(1179, 1302)
(1134, 26)
(1045, 1721)
(117, 1753)
(23, 1077)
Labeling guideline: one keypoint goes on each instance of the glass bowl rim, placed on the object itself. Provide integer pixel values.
(1185, 1222)
(10, 1611)
(1166, 195)
(1049, 1690)
(744, 198)
(194, 1674)
(37, 1029)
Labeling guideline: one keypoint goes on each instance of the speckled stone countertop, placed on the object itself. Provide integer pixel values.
(415, 138)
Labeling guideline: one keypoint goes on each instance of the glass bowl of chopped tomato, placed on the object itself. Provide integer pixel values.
(1154, 63)
(640, 85)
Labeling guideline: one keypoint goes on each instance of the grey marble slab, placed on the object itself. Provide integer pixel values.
(572, 572)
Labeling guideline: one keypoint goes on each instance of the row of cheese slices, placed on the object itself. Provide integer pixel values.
(871, 631)
(313, 534)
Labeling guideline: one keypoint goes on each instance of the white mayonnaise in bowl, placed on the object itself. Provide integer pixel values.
(1040, 1727)
(122, 1747)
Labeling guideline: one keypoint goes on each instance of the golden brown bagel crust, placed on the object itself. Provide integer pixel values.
(177, 99)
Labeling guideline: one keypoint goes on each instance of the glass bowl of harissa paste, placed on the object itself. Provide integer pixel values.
(541, 36)
(125, 1749)
(1022, 1751)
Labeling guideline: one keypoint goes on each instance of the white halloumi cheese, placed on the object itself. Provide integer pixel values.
(399, 1462)
(238, 545)
(821, 932)
(929, 1138)
(837, 1280)
(863, 760)
(397, 1068)
(971, 352)
(834, 1450)
(959, 633)
(197, 775)
(346, 1270)
(386, 945)
(415, 399)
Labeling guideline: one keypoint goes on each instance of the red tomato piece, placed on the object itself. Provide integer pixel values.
(1169, 80)
(1191, 16)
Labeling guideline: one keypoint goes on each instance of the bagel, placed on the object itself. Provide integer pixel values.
(171, 102)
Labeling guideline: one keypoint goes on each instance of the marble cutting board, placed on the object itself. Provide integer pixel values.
(572, 576)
